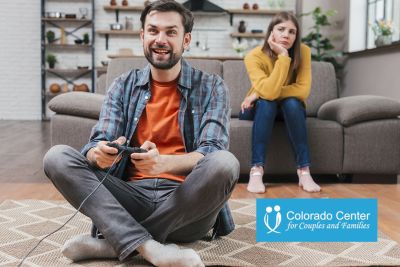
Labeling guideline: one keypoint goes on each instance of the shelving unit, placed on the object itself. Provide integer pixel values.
(117, 10)
(107, 34)
(268, 12)
(70, 27)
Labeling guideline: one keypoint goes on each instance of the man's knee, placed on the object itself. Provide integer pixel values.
(56, 159)
(225, 165)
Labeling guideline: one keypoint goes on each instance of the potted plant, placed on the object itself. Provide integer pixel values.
(322, 48)
(52, 60)
(240, 46)
(383, 31)
(86, 38)
(50, 36)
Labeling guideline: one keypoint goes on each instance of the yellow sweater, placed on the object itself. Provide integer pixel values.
(269, 78)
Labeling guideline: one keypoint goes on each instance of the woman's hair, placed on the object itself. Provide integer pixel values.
(294, 51)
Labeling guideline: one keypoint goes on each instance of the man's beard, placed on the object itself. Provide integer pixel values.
(162, 65)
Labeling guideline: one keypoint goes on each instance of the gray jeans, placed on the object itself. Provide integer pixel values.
(129, 213)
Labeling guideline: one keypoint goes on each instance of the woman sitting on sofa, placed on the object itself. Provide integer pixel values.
(280, 73)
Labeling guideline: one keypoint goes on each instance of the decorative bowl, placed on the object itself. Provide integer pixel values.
(116, 26)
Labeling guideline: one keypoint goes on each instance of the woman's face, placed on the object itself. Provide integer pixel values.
(284, 34)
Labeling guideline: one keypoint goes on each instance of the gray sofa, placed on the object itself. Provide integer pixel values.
(351, 135)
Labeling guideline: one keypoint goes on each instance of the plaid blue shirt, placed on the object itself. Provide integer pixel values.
(203, 118)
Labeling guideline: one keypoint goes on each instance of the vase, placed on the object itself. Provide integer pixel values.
(242, 26)
(383, 40)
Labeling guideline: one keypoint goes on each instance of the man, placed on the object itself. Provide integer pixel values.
(177, 190)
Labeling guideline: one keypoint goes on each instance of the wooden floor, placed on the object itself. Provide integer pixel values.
(23, 144)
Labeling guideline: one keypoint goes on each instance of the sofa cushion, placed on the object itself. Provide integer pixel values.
(323, 86)
(119, 66)
(80, 104)
(238, 82)
(71, 130)
(101, 84)
(325, 139)
(355, 109)
(372, 147)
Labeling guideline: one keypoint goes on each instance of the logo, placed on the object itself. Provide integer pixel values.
(278, 219)
(316, 220)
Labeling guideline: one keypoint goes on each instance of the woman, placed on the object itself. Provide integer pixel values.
(280, 73)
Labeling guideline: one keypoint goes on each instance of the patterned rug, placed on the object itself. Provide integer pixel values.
(23, 223)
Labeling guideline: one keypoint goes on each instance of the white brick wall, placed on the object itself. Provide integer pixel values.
(20, 45)
(20, 60)
(215, 28)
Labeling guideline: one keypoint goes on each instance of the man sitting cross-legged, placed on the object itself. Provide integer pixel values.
(177, 190)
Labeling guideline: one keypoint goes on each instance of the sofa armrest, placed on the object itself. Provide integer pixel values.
(354, 109)
(79, 104)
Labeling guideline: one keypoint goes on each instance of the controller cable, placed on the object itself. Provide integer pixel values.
(76, 212)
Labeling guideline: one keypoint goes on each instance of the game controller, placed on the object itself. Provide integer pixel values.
(126, 150)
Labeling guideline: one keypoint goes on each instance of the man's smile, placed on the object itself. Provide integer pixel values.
(160, 51)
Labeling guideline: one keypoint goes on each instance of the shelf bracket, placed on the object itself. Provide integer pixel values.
(107, 37)
(117, 15)
(231, 18)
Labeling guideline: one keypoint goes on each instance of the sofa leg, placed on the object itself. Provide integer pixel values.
(344, 178)
(374, 178)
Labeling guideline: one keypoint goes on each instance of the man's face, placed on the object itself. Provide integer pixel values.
(164, 39)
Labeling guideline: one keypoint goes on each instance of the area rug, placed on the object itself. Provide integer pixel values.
(23, 223)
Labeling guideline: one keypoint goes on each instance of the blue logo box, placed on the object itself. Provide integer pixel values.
(317, 220)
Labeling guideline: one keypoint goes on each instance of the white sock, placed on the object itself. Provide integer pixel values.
(307, 182)
(256, 184)
(83, 247)
(169, 255)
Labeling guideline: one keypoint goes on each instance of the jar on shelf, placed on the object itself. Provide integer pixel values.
(242, 26)
(129, 23)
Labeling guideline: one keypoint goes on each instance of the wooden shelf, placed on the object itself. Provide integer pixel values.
(50, 95)
(66, 20)
(121, 56)
(118, 32)
(123, 8)
(257, 12)
(69, 72)
(107, 34)
(68, 46)
(268, 12)
(100, 70)
(248, 35)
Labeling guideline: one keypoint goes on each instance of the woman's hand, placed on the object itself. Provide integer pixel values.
(248, 101)
(277, 48)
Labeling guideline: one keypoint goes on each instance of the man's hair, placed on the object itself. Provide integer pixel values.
(167, 6)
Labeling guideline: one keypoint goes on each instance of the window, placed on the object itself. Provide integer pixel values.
(379, 10)
(363, 14)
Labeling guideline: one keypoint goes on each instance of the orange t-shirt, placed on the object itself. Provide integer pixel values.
(159, 124)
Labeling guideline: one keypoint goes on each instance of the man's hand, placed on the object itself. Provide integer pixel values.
(277, 48)
(150, 163)
(102, 155)
(248, 101)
